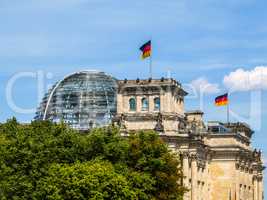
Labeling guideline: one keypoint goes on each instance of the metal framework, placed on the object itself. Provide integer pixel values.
(84, 100)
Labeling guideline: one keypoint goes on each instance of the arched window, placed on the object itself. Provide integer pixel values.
(132, 104)
(144, 104)
(157, 104)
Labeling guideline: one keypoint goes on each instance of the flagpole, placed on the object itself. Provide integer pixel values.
(150, 66)
(150, 61)
(228, 110)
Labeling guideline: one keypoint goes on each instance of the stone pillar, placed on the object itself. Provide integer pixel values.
(206, 175)
(237, 182)
(186, 175)
(162, 102)
(151, 105)
(168, 107)
(120, 108)
(246, 181)
(255, 188)
(194, 178)
(260, 189)
(138, 104)
(251, 185)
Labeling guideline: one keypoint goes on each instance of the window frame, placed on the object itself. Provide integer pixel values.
(130, 104)
(143, 108)
(157, 108)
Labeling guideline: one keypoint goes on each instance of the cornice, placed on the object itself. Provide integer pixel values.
(229, 135)
(150, 116)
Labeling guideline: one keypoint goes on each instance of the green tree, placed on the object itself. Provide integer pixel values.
(43, 160)
(88, 180)
(148, 153)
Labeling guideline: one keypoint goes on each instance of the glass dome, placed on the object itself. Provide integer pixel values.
(83, 100)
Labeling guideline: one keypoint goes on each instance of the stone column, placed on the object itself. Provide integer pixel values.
(120, 102)
(194, 178)
(242, 181)
(168, 107)
(246, 178)
(162, 102)
(186, 174)
(151, 105)
(206, 175)
(251, 185)
(237, 181)
(138, 103)
(255, 188)
(260, 188)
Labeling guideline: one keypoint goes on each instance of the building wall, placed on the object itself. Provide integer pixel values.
(225, 140)
(142, 125)
(170, 103)
(222, 179)
(196, 179)
(215, 166)
(219, 179)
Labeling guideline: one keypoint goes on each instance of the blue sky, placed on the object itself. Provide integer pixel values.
(202, 41)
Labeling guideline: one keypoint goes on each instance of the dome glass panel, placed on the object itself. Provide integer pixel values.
(84, 100)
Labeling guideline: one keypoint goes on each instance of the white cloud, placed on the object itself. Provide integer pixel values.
(202, 85)
(242, 80)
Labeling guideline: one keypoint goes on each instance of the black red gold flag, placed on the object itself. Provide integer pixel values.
(222, 100)
(146, 49)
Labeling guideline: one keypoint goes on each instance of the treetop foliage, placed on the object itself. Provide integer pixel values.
(43, 160)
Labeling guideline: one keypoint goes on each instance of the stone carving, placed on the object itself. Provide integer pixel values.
(159, 126)
(121, 124)
(181, 125)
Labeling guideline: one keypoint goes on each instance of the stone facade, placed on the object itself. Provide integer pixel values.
(218, 160)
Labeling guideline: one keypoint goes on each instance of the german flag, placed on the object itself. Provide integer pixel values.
(146, 49)
(222, 100)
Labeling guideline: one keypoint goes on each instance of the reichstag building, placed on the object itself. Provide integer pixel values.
(218, 160)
